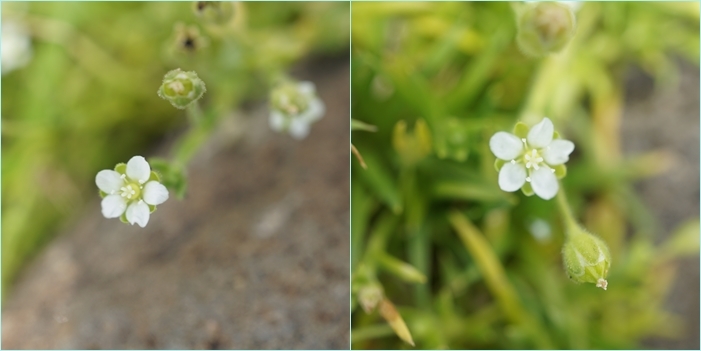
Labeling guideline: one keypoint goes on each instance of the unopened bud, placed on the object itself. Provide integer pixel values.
(586, 257)
(395, 321)
(369, 296)
(181, 88)
(413, 146)
(544, 27)
(214, 12)
(188, 39)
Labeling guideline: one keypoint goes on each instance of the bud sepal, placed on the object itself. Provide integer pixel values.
(586, 257)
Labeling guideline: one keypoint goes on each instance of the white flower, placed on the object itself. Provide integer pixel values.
(532, 158)
(294, 107)
(15, 46)
(131, 191)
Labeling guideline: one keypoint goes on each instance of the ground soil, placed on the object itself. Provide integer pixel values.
(668, 119)
(256, 256)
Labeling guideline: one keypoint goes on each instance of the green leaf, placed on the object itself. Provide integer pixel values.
(384, 185)
(400, 269)
(684, 241)
(358, 125)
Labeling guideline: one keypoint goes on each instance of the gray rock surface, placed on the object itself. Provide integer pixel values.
(256, 256)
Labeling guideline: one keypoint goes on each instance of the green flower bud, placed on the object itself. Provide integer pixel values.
(586, 257)
(181, 88)
(544, 27)
(414, 146)
(188, 39)
(214, 12)
(370, 296)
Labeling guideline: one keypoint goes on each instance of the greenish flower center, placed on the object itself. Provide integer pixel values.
(289, 100)
(532, 159)
(178, 88)
(130, 191)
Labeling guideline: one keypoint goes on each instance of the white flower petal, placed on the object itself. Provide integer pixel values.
(315, 110)
(541, 134)
(306, 88)
(512, 176)
(155, 193)
(109, 181)
(138, 213)
(138, 169)
(544, 183)
(558, 152)
(299, 129)
(113, 206)
(505, 146)
(277, 121)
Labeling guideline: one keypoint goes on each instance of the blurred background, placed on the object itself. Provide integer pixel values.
(255, 256)
(437, 80)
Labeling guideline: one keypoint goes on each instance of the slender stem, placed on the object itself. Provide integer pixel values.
(194, 113)
(565, 209)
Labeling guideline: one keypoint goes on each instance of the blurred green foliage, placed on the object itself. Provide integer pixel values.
(87, 100)
(470, 266)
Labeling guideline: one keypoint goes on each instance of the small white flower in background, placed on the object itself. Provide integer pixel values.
(131, 191)
(294, 107)
(532, 160)
(15, 46)
(540, 230)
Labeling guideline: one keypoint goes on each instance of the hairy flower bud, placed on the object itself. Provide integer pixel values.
(370, 296)
(181, 88)
(188, 39)
(413, 146)
(586, 258)
(214, 12)
(544, 27)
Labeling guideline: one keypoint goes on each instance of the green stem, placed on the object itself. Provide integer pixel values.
(194, 113)
(186, 147)
(566, 211)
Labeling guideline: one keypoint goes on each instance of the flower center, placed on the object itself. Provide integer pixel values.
(130, 191)
(533, 159)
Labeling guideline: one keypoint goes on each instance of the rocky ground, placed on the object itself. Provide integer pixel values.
(669, 119)
(256, 256)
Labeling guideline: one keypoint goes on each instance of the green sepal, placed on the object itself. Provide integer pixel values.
(170, 176)
(103, 194)
(154, 176)
(121, 168)
(527, 189)
(521, 130)
(498, 163)
(123, 217)
(560, 171)
(556, 135)
(151, 208)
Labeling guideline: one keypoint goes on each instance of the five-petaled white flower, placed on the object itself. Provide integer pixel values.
(294, 107)
(131, 191)
(534, 159)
